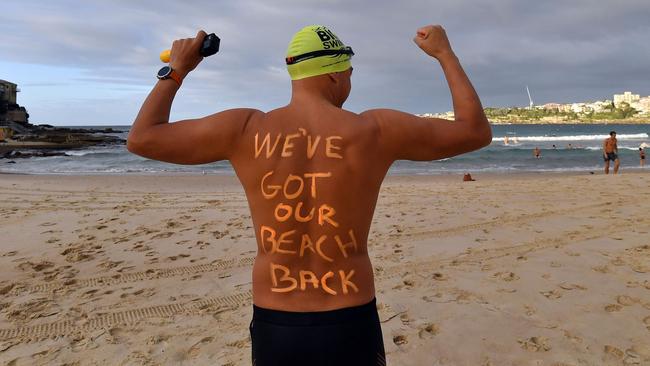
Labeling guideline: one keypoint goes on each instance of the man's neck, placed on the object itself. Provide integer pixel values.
(313, 91)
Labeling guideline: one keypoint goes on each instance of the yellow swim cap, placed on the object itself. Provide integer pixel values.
(316, 50)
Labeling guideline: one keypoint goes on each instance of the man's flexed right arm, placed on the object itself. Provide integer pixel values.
(409, 137)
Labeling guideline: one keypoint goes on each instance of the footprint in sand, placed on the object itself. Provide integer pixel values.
(36, 267)
(110, 264)
(89, 294)
(4, 289)
(439, 276)
(535, 344)
(164, 235)
(626, 300)
(612, 352)
(571, 286)
(242, 343)
(506, 276)
(74, 255)
(408, 282)
(142, 293)
(530, 310)
(617, 262)
(400, 340)
(405, 318)
(646, 321)
(194, 351)
(116, 335)
(428, 331)
(552, 294)
(613, 308)
(601, 269)
(642, 350)
(33, 309)
(573, 338)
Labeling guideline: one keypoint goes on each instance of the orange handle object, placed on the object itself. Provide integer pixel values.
(165, 56)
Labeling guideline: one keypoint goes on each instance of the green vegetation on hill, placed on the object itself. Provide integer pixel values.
(516, 114)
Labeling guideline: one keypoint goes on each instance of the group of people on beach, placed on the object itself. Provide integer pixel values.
(610, 152)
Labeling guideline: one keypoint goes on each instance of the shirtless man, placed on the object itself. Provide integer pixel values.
(311, 172)
(610, 152)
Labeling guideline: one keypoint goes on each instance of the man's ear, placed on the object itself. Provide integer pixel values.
(333, 77)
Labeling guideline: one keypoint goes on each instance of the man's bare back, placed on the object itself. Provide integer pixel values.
(312, 178)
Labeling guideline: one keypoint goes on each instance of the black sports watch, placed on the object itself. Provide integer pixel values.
(166, 72)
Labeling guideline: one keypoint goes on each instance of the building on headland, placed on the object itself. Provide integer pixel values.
(600, 105)
(626, 97)
(642, 105)
(10, 111)
(552, 106)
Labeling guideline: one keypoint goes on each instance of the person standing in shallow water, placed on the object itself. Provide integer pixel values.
(537, 153)
(312, 188)
(610, 152)
(641, 157)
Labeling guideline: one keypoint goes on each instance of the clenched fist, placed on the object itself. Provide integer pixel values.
(185, 54)
(433, 40)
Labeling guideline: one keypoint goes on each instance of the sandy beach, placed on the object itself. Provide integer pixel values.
(536, 269)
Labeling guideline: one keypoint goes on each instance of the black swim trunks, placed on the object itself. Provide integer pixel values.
(610, 156)
(349, 336)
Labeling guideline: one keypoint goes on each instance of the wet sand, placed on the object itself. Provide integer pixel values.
(535, 269)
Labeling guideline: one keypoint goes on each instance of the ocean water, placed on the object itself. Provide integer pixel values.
(585, 154)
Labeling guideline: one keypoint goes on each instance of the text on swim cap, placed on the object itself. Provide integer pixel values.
(329, 39)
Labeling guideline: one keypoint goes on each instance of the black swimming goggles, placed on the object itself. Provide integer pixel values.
(309, 55)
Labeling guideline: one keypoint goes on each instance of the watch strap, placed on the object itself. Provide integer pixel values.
(176, 76)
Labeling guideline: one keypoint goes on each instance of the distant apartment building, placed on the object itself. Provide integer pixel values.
(551, 106)
(626, 97)
(642, 105)
(598, 106)
(578, 107)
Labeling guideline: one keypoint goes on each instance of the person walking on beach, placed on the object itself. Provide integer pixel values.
(311, 172)
(610, 152)
(641, 157)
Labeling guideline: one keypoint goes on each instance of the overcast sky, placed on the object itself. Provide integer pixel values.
(94, 62)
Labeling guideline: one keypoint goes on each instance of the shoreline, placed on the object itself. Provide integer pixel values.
(634, 123)
(231, 180)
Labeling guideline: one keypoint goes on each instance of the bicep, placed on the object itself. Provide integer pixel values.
(408, 137)
(195, 141)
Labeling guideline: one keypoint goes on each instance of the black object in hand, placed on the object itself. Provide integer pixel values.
(210, 45)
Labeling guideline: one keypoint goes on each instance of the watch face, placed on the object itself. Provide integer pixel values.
(164, 72)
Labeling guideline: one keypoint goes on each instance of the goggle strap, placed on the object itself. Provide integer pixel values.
(309, 55)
